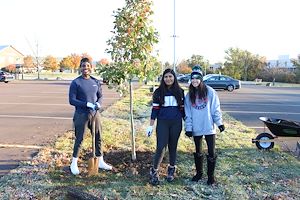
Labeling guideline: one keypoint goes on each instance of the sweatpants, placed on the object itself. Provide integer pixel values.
(167, 135)
(82, 121)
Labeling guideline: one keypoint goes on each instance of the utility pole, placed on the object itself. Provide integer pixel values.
(37, 60)
(36, 54)
(174, 38)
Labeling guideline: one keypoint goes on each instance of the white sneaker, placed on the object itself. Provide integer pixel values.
(74, 167)
(103, 165)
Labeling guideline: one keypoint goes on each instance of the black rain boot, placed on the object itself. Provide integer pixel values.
(211, 164)
(171, 172)
(198, 157)
(154, 178)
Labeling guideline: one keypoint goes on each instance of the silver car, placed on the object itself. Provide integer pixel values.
(6, 77)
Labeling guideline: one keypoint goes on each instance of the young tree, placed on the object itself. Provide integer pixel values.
(131, 48)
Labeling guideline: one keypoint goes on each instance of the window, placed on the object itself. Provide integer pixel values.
(222, 78)
(214, 78)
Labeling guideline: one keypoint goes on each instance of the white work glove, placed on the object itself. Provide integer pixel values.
(149, 131)
(97, 106)
(91, 105)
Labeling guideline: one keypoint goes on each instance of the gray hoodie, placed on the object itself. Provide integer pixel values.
(201, 117)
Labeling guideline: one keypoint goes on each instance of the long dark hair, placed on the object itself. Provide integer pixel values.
(200, 91)
(175, 89)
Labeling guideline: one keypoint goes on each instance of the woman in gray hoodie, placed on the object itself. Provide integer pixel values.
(202, 109)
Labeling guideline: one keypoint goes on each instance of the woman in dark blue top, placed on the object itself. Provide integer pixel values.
(168, 109)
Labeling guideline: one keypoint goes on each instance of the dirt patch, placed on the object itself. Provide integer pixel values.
(122, 163)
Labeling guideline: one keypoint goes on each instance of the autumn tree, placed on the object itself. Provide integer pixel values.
(11, 68)
(86, 55)
(71, 62)
(183, 67)
(242, 64)
(167, 65)
(50, 63)
(296, 63)
(65, 64)
(28, 63)
(198, 60)
(104, 61)
(131, 50)
(75, 62)
(256, 66)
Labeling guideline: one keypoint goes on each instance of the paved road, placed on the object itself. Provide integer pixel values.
(251, 102)
(32, 114)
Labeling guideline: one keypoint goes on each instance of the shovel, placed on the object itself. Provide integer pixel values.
(94, 161)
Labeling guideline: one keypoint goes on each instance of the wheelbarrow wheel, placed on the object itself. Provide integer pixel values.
(264, 145)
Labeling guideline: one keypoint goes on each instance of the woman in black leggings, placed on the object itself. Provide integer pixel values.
(202, 109)
(167, 108)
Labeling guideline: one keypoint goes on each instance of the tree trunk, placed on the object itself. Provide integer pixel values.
(133, 153)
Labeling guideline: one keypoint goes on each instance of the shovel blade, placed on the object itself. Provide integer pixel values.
(93, 166)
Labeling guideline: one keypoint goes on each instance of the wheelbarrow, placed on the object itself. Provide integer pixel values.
(278, 128)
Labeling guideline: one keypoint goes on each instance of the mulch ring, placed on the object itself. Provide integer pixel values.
(122, 163)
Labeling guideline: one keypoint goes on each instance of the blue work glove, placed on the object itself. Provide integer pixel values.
(221, 128)
(189, 133)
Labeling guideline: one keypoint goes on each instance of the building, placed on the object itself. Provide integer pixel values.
(10, 56)
(283, 62)
(215, 67)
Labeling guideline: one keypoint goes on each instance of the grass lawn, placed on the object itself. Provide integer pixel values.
(242, 171)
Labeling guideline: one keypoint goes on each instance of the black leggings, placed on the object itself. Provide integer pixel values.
(167, 135)
(210, 141)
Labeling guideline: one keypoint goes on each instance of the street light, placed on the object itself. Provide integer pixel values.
(37, 60)
(174, 38)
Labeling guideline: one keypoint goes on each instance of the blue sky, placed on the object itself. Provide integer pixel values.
(61, 27)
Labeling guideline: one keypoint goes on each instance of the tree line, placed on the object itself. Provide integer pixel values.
(239, 64)
(50, 63)
(243, 65)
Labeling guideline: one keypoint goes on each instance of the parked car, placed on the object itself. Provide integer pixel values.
(218, 81)
(179, 75)
(6, 77)
(184, 78)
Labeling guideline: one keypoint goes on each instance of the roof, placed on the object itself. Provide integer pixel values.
(2, 47)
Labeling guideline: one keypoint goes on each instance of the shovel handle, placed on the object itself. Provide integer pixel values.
(93, 129)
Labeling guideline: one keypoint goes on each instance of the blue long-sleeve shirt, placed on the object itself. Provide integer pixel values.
(83, 91)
